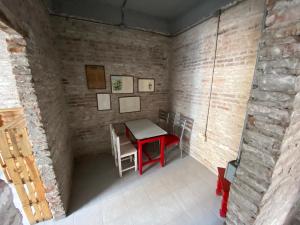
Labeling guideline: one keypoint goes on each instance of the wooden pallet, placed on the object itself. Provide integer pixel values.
(18, 164)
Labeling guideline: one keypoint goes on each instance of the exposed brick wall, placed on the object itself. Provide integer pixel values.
(37, 72)
(9, 214)
(121, 51)
(8, 89)
(267, 183)
(192, 55)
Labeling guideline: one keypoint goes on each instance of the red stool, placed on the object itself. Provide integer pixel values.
(223, 187)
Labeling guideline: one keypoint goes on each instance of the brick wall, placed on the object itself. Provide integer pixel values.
(8, 89)
(266, 186)
(121, 51)
(192, 55)
(35, 66)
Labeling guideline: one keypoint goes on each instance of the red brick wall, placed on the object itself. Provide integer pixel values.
(192, 55)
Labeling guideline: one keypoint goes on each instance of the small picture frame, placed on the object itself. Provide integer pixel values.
(95, 77)
(129, 104)
(146, 85)
(103, 102)
(121, 84)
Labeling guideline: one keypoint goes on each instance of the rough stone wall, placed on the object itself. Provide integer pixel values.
(9, 214)
(35, 66)
(267, 181)
(192, 55)
(8, 89)
(121, 51)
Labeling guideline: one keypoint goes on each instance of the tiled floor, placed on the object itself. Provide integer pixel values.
(181, 193)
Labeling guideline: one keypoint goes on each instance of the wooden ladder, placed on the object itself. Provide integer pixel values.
(18, 165)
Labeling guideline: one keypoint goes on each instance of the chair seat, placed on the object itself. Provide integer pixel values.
(124, 140)
(171, 139)
(127, 149)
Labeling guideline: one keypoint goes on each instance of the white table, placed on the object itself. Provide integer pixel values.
(145, 131)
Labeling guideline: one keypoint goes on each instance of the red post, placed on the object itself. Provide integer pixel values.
(219, 187)
(140, 155)
(127, 131)
(223, 210)
(162, 150)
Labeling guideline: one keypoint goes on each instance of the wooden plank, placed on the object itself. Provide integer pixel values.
(15, 149)
(30, 216)
(37, 214)
(22, 169)
(4, 147)
(45, 209)
(31, 192)
(22, 194)
(24, 143)
(31, 168)
(12, 170)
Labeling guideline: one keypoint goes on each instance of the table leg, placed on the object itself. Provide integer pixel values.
(140, 155)
(162, 150)
(127, 132)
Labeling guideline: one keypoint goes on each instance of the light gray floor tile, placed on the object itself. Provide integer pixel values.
(182, 192)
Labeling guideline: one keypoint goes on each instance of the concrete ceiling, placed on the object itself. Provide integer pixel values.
(164, 16)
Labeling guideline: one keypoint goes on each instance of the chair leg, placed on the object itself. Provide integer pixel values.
(135, 161)
(120, 166)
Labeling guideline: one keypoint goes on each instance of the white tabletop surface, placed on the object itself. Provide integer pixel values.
(144, 128)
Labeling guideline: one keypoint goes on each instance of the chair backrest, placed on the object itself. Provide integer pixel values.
(111, 128)
(116, 143)
(163, 118)
(172, 122)
(179, 129)
(186, 136)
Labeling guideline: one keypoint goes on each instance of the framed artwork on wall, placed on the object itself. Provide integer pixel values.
(146, 85)
(103, 102)
(95, 77)
(129, 104)
(121, 84)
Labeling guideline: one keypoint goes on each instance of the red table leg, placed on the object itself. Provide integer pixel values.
(140, 155)
(162, 150)
(127, 132)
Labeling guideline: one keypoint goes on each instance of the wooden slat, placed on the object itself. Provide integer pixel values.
(45, 209)
(24, 144)
(4, 147)
(29, 214)
(22, 194)
(12, 170)
(18, 164)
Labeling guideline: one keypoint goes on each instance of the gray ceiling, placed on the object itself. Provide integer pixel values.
(163, 16)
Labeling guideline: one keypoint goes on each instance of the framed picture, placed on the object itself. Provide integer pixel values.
(129, 104)
(95, 77)
(104, 102)
(121, 84)
(146, 85)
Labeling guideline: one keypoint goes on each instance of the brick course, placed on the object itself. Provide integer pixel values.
(35, 66)
(121, 51)
(266, 188)
(192, 55)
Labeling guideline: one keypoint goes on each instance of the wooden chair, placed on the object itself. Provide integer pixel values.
(163, 118)
(123, 141)
(124, 152)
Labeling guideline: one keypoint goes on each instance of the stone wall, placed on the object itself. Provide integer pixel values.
(35, 66)
(266, 186)
(192, 55)
(8, 89)
(9, 214)
(121, 51)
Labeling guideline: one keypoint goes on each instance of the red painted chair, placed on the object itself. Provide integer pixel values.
(176, 133)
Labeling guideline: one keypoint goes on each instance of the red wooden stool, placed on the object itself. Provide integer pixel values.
(223, 187)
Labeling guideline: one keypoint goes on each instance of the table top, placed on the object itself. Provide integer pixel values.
(144, 128)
